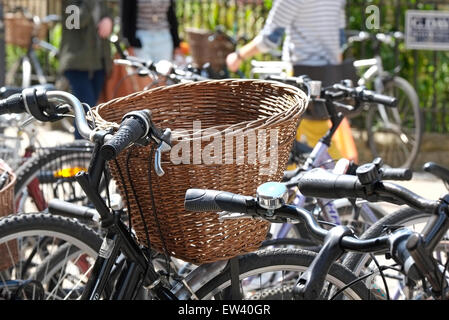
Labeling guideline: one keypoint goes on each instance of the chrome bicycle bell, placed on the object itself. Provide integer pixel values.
(272, 195)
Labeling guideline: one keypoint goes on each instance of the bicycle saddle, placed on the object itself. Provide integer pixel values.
(437, 171)
(7, 91)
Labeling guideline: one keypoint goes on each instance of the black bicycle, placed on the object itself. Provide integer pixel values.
(413, 252)
(124, 269)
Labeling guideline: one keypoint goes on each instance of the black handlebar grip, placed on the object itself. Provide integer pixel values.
(400, 174)
(211, 200)
(67, 209)
(321, 183)
(371, 96)
(13, 104)
(131, 130)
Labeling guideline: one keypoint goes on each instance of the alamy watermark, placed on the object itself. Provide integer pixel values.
(229, 147)
(72, 21)
(372, 21)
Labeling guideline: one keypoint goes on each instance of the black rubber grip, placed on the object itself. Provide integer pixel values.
(12, 104)
(131, 130)
(437, 170)
(321, 183)
(371, 96)
(201, 200)
(70, 210)
(400, 174)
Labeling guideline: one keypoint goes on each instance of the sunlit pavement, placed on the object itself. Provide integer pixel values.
(424, 185)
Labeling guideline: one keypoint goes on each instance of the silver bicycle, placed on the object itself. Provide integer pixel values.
(394, 134)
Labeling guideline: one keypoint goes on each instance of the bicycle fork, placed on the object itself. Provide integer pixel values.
(311, 282)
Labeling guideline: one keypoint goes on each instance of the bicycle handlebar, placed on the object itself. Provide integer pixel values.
(12, 104)
(134, 126)
(363, 95)
(324, 184)
(387, 38)
(340, 91)
(400, 174)
(211, 200)
(45, 106)
(321, 183)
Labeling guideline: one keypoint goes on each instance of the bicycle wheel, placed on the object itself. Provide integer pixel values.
(395, 133)
(51, 174)
(363, 264)
(369, 213)
(19, 73)
(271, 275)
(26, 243)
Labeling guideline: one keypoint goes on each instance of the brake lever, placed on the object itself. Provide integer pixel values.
(225, 215)
(344, 106)
(163, 146)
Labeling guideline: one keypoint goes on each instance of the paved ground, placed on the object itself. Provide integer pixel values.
(423, 184)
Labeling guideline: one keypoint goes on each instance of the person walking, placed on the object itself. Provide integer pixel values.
(151, 28)
(85, 53)
(310, 33)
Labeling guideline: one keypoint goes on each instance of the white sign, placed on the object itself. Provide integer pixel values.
(427, 30)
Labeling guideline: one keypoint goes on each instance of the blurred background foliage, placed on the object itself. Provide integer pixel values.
(427, 70)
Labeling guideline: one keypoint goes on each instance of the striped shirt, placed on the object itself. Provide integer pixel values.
(311, 28)
(152, 14)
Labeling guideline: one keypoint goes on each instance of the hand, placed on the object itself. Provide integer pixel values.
(105, 27)
(233, 61)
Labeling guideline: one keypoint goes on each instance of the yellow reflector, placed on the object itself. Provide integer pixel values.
(68, 172)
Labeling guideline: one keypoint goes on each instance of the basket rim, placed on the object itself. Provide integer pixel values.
(265, 121)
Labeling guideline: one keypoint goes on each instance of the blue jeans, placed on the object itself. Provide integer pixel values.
(157, 45)
(86, 87)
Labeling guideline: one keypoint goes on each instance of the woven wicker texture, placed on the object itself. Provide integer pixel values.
(223, 105)
(207, 47)
(19, 30)
(8, 251)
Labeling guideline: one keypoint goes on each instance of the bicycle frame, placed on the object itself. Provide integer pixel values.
(320, 157)
(136, 270)
(376, 74)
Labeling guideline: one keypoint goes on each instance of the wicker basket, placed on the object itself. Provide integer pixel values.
(8, 251)
(222, 105)
(204, 50)
(19, 30)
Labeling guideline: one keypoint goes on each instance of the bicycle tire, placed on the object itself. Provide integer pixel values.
(53, 158)
(279, 260)
(345, 210)
(411, 95)
(29, 239)
(402, 217)
(398, 286)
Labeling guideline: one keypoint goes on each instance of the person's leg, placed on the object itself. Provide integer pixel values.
(81, 87)
(97, 82)
(156, 45)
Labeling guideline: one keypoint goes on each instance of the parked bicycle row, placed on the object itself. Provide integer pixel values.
(147, 227)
